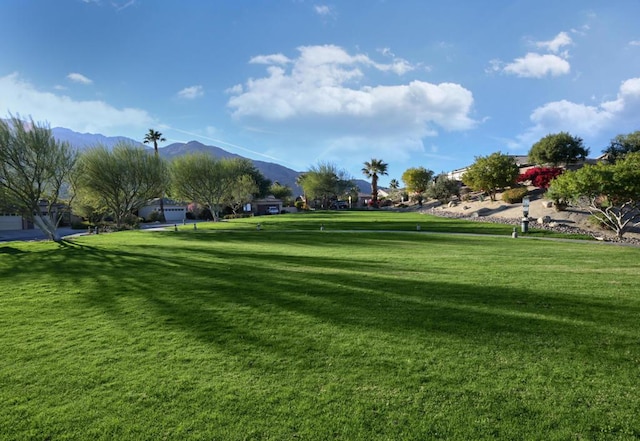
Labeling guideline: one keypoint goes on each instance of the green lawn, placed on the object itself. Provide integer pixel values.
(295, 333)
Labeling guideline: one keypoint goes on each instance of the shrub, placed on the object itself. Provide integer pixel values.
(597, 221)
(371, 204)
(154, 216)
(443, 188)
(540, 177)
(237, 215)
(131, 221)
(514, 195)
(80, 225)
(205, 214)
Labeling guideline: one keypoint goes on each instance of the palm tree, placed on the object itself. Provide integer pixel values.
(153, 136)
(372, 169)
(394, 184)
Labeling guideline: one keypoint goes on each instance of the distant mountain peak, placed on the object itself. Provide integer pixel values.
(271, 170)
(82, 141)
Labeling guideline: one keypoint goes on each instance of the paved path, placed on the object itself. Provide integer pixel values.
(65, 232)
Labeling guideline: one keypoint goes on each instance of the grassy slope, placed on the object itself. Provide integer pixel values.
(318, 335)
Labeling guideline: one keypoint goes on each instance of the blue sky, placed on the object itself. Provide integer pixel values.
(413, 82)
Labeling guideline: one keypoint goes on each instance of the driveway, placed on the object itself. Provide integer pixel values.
(35, 234)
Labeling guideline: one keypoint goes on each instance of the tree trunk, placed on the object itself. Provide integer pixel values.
(45, 225)
(374, 190)
(162, 218)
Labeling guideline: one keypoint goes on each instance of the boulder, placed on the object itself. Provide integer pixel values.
(544, 220)
(452, 204)
(481, 212)
(546, 204)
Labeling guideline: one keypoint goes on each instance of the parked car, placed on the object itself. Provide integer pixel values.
(339, 205)
(273, 210)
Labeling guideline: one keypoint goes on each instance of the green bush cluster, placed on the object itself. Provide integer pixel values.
(154, 216)
(598, 221)
(514, 195)
(237, 216)
(131, 221)
(80, 225)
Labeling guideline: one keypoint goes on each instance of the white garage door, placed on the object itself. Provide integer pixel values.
(10, 222)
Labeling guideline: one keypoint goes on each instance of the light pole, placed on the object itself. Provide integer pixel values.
(525, 214)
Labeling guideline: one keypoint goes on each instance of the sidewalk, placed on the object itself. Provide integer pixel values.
(36, 234)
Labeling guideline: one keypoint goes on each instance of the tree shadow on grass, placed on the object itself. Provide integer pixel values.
(223, 295)
(10, 250)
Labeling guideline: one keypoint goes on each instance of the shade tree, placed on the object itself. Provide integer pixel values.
(558, 149)
(490, 173)
(417, 180)
(214, 183)
(611, 192)
(241, 192)
(119, 181)
(324, 182)
(34, 170)
(279, 191)
(621, 145)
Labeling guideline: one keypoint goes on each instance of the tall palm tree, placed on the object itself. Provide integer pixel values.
(373, 169)
(153, 136)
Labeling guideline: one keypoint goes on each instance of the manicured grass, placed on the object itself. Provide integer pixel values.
(380, 220)
(318, 335)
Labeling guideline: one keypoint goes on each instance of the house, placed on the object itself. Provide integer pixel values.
(12, 221)
(524, 164)
(521, 160)
(173, 211)
(265, 206)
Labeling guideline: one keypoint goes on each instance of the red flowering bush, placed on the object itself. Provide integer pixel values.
(540, 177)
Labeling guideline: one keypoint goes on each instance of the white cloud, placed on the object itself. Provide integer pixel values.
(21, 97)
(325, 90)
(495, 65)
(585, 120)
(535, 65)
(634, 43)
(270, 59)
(323, 10)
(331, 95)
(554, 45)
(79, 78)
(398, 66)
(192, 92)
(120, 5)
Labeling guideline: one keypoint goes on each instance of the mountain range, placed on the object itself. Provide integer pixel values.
(272, 171)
